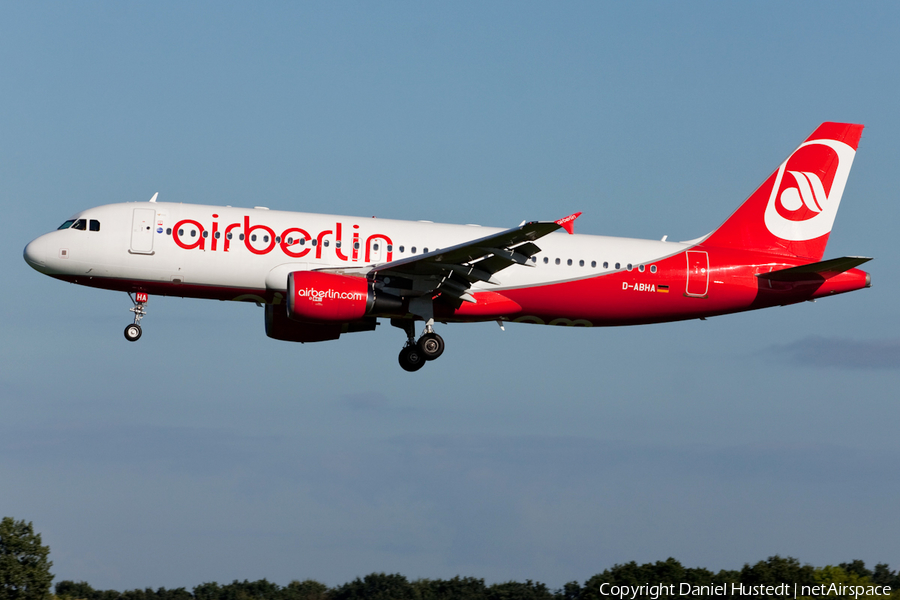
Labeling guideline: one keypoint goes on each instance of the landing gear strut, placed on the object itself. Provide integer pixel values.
(133, 331)
(415, 354)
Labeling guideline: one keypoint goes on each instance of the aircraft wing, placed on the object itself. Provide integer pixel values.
(452, 271)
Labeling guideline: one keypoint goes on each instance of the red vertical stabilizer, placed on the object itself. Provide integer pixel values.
(793, 211)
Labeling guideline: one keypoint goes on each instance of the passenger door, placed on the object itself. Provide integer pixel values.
(142, 231)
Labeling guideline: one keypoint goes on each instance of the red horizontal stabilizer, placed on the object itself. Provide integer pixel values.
(817, 270)
(568, 223)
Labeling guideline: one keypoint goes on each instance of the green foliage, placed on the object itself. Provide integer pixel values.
(669, 572)
(851, 574)
(377, 586)
(81, 590)
(380, 586)
(160, 594)
(858, 567)
(882, 575)
(259, 590)
(458, 588)
(73, 590)
(514, 590)
(305, 590)
(777, 570)
(24, 568)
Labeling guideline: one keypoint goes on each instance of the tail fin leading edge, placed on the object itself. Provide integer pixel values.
(793, 211)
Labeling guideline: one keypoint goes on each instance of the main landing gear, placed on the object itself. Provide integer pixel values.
(416, 353)
(133, 331)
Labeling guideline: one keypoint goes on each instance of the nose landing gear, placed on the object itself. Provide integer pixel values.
(416, 353)
(133, 332)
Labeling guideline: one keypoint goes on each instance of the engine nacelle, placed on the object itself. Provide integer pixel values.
(280, 327)
(318, 297)
(315, 297)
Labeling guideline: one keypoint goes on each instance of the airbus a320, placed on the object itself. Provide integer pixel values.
(320, 276)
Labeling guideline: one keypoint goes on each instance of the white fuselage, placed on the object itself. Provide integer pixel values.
(249, 252)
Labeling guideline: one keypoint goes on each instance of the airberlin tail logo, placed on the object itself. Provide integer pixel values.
(809, 193)
(808, 189)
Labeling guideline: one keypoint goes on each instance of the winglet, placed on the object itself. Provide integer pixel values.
(568, 223)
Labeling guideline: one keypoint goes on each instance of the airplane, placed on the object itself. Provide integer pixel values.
(320, 276)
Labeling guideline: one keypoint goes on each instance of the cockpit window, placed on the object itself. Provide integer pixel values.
(95, 225)
(80, 225)
(66, 225)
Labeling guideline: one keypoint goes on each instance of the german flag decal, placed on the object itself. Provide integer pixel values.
(662, 289)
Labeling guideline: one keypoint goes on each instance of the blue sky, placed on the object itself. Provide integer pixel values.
(208, 452)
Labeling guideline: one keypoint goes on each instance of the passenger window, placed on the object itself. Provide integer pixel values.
(569, 262)
(66, 225)
(401, 249)
(217, 234)
(252, 237)
(424, 250)
(390, 247)
(205, 234)
(95, 225)
(546, 260)
(169, 231)
(580, 263)
(653, 268)
(618, 266)
(80, 225)
(534, 259)
(193, 233)
(593, 264)
(375, 247)
(325, 243)
(413, 250)
(315, 242)
(181, 232)
(355, 245)
(266, 239)
(641, 268)
(302, 241)
(241, 237)
(628, 267)
(337, 244)
(557, 261)
(605, 265)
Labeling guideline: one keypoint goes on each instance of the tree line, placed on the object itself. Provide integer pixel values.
(25, 575)
(773, 571)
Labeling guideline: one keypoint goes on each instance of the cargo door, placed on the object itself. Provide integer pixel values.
(142, 231)
(697, 273)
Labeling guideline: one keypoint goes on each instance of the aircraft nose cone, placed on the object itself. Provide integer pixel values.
(35, 254)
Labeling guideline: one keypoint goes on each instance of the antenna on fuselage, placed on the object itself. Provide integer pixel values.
(153, 199)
